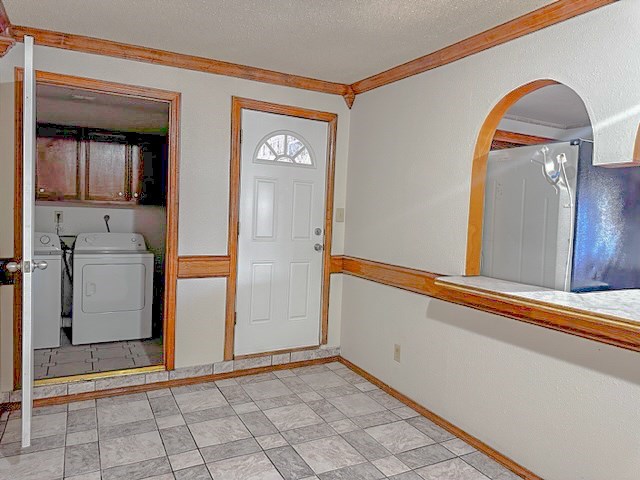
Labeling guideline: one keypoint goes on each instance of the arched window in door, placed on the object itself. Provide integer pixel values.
(284, 147)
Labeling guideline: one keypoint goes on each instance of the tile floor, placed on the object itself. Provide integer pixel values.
(320, 422)
(71, 359)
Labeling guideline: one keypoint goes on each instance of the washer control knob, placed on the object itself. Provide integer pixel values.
(45, 239)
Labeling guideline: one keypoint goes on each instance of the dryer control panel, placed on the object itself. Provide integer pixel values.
(110, 242)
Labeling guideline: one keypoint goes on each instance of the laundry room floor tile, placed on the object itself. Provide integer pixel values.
(68, 360)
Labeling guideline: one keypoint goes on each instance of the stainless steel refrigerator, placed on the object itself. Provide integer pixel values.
(552, 219)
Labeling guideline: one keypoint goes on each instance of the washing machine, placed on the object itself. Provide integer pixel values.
(112, 288)
(47, 293)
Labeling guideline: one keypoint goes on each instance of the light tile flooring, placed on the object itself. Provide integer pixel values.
(71, 359)
(320, 422)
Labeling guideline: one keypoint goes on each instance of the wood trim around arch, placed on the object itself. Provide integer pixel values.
(237, 105)
(173, 99)
(479, 171)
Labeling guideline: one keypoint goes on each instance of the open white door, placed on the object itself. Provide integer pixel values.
(28, 206)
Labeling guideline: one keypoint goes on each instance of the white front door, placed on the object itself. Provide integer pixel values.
(281, 232)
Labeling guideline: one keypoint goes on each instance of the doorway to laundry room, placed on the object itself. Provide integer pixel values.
(105, 223)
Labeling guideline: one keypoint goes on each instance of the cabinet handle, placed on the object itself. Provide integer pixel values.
(120, 194)
(41, 190)
(135, 195)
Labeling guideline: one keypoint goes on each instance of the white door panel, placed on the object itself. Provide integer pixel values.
(282, 203)
(264, 209)
(261, 287)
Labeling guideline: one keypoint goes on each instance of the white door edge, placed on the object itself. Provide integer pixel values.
(28, 194)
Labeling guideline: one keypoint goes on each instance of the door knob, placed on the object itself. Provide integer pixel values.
(13, 267)
(41, 264)
(317, 247)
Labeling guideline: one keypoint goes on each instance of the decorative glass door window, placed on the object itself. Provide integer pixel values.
(284, 148)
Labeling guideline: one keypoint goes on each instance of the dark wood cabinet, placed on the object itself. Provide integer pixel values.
(96, 166)
(57, 176)
(105, 160)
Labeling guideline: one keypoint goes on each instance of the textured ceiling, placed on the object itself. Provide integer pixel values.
(337, 40)
(83, 108)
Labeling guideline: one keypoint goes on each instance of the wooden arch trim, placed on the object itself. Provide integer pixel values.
(636, 149)
(479, 170)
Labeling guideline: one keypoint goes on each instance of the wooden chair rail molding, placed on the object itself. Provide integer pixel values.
(203, 266)
(601, 328)
(551, 14)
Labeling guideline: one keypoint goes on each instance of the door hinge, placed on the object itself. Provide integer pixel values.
(240, 135)
(235, 318)
(238, 229)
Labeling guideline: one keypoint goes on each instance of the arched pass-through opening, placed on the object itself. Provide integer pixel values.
(479, 171)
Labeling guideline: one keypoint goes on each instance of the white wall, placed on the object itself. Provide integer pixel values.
(148, 220)
(566, 408)
(204, 181)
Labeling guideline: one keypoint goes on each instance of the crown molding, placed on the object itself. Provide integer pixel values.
(546, 16)
(531, 22)
(5, 44)
(80, 43)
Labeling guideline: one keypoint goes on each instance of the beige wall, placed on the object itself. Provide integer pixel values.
(204, 180)
(565, 407)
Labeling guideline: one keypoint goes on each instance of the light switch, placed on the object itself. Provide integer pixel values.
(339, 215)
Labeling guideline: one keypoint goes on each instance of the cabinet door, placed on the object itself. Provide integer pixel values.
(57, 163)
(57, 168)
(106, 170)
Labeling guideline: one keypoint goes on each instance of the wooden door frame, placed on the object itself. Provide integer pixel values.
(479, 170)
(173, 99)
(237, 105)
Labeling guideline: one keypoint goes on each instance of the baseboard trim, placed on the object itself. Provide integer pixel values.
(438, 420)
(179, 382)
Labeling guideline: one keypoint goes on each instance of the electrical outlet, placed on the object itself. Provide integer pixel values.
(57, 217)
(396, 353)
